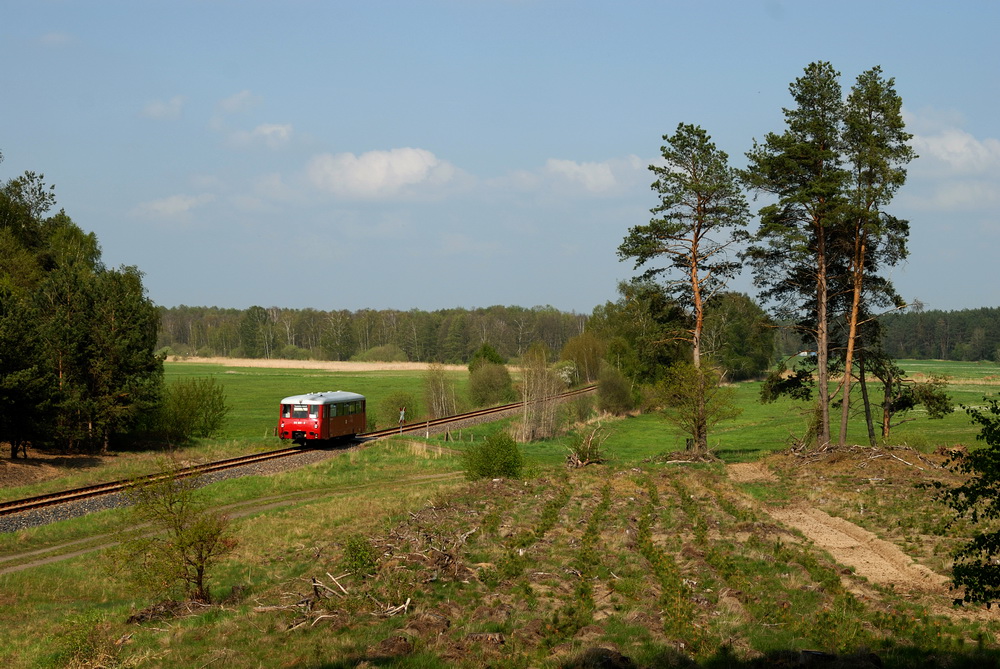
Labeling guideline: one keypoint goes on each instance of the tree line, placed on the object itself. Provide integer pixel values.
(78, 368)
(446, 335)
(967, 334)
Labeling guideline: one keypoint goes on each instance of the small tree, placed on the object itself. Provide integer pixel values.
(694, 400)
(439, 392)
(701, 216)
(174, 538)
(976, 568)
(539, 385)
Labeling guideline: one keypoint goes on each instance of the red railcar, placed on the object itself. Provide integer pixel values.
(321, 416)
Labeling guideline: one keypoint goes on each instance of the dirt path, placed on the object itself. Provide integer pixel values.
(881, 562)
(878, 561)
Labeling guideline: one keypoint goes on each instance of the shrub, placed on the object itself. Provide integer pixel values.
(193, 408)
(387, 410)
(495, 457)
(360, 557)
(490, 384)
(614, 392)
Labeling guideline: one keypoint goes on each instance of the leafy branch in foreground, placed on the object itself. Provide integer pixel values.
(976, 569)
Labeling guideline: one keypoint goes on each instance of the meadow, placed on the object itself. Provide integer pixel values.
(668, 564)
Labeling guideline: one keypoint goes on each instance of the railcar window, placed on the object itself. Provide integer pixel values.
(314, 411)
(300, 411)
(286, 410)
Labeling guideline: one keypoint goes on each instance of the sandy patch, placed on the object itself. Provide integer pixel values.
(749, 472)
(879, 561)
(325, 365)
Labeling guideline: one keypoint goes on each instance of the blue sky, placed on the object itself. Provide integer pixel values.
(461, 153)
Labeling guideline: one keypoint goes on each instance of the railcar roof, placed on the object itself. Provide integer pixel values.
(326, 397)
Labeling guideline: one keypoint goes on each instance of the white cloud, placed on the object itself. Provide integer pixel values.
(239, 102)
(272, 135)
(378, 174)
(175, 206)
(955, 171)
(610, 177)
(594, 177)
(164, 110)
(959, 151)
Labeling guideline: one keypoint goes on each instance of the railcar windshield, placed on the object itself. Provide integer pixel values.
(305, 410)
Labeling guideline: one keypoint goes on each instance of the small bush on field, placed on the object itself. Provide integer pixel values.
(587, 447)
(495, 457)
(193, 408)
(360, 557)
(614, 392)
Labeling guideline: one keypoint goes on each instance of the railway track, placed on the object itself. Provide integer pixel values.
(78, 494)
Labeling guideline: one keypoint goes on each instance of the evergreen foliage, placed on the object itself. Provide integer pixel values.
(77, 367)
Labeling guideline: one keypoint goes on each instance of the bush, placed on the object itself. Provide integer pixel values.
(193, 408)
(496, 457)
(360, 557)
(614, 392)
(490, 384)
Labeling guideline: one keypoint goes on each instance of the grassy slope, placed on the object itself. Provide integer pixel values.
(662, 562)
